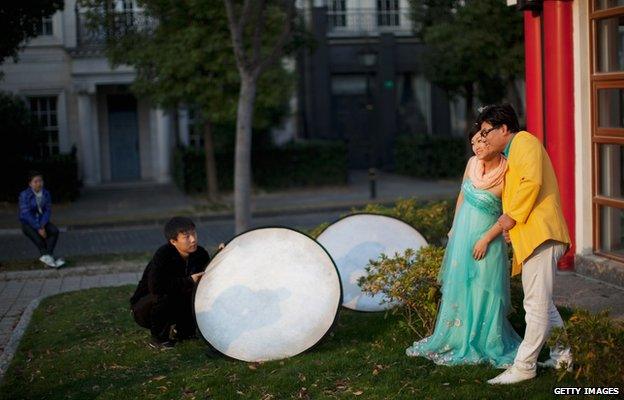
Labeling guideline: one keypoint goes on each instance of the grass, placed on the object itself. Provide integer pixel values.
(85, 345)
(76, 261)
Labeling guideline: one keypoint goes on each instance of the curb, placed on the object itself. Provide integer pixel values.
(16, 336)
(72, 271)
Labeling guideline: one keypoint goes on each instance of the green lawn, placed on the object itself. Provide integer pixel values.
(84, 345)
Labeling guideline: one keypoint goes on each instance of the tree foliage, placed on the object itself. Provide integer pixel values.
(186, 57)
(19, 131)
(182, 54)
(474, 48)
(19, 20)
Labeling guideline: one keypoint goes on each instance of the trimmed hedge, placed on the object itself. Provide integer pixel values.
(430, 156)
(60, 173)
(19, 154)
(296, 164)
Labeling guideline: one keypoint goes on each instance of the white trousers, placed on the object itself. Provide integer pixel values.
(538, 273)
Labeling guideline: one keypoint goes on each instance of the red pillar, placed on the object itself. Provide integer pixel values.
(533, 73)
(559, 106)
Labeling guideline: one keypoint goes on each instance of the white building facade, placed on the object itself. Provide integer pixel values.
(82, 101)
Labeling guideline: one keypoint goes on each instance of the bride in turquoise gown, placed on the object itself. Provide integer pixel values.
(472, 325)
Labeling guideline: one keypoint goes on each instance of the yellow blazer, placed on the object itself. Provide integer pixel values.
(531, 197)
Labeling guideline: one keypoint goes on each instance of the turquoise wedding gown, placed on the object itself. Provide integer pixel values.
(472, 325)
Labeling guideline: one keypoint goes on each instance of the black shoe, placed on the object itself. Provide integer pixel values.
(187, 335)
(161, 344)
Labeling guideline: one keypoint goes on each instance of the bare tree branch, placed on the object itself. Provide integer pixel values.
(257, 37)
(279, 47)
(245, 14)
(236, 29)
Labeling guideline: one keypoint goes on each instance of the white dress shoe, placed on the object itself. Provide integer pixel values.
(512, 375)
(48, 260)
(556, 364)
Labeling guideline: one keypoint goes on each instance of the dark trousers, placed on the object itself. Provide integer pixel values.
(45, 246)
(159, 313)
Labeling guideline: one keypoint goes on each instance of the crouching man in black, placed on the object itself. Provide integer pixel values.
(163, 300)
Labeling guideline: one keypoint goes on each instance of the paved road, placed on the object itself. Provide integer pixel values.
(145, 238)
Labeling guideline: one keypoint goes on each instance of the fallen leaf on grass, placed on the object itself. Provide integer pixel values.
(158, 378)
(358, 393)
(303, 393)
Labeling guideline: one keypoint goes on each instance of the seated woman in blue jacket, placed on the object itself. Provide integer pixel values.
(35, 206)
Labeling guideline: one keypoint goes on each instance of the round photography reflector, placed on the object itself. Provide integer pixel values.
(354, 240)
(271, 293)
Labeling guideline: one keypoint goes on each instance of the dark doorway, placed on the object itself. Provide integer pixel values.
(353, 118)
(123, 133)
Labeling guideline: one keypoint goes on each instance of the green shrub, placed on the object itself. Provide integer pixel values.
(60, 173)
(296, 164)
(189, 170)
(430, 157)
(317, 230)
(20, 153)
(410, 279)
(596, 342)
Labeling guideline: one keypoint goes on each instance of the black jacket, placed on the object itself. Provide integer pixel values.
(168, 273)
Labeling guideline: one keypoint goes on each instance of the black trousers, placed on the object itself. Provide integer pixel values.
(159, 313)
(47, 245)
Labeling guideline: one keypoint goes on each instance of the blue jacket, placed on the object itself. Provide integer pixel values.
(28, 211)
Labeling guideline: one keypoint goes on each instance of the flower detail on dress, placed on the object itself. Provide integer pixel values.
(457, 322)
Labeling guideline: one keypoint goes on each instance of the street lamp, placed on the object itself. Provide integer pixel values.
(368, 59)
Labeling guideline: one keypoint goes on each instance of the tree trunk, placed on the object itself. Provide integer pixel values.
(242, 162)
(212, 182)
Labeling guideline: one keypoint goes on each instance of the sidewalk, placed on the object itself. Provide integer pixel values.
(148, 203)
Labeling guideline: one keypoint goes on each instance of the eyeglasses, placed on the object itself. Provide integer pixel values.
(486, 132)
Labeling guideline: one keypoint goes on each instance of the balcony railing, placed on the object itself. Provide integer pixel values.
(369, 21)
(95, 26)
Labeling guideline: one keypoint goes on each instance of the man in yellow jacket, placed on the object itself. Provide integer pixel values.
(533, 221)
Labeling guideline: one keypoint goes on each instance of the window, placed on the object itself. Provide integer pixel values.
(607, 85)
(603, 4)
(45, 110)
(44, 27)
(388, 12)
(196, 137)
(337, 13)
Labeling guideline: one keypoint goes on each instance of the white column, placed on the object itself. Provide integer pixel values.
(161, 139)
(89, 148)
(183, 120)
